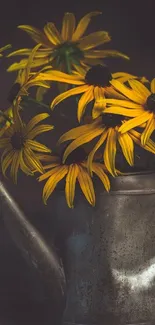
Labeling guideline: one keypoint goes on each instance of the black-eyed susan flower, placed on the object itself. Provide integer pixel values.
(93, 84)
(19, 145)
(25, 80)
(106, 129)
(138, 106)
(69, 46)
(75, 169)
(4, 48)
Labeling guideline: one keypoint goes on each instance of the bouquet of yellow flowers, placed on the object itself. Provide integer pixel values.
(115, 111)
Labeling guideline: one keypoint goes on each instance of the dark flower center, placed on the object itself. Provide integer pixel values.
(67, 50)
(76, 156)
(17, 141)
(14, 92)
(150, 103)
(112, 120)
(98, 75)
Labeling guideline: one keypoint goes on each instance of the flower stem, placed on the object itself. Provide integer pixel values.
(6, 118)
(69, 71)
(28, 99)
(68, 65)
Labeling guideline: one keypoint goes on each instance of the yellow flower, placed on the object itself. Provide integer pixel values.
(20, 147)
(106, 128)
(139, 103)
(74, 169)
(25, 79)
(4, 48)
(69, 45)
(93, 84)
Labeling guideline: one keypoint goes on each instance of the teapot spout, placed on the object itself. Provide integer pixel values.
(33, 247)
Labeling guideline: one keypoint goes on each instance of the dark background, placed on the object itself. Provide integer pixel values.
(132, 27)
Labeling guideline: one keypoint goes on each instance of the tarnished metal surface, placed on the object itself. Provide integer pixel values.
(110, 254)
(33, 247)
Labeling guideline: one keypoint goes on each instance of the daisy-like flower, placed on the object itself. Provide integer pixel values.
(139, 106)
(75, 169)
(93, 84)
(20, 147)
(2, 49)
(25, 79)
(68, 46)
(106, 128)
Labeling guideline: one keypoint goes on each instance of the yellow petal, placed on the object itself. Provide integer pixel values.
(51, 172)
(112, 93)
(110, 152)
(36, 146)
(136, 136)
(86, 62)
(41, 53)
(39, 129)
(38, 83)
(54, 75)
(150, 127)
(98, 93)
(27, 69)
(32, 161)
(123, 103)
(104, 54)
(131, 94)
(80, 70)
(86, 185)
(127, 76)
(41, 91)
(68, 26)
(18, 124)
(6, 47)
(35, 34)
(98, 169)
(83, 24)
(85, 99)
(97, 110)
(35, 120)
(70, 184)
(15, 165)
(76, 132)
(22, 64)
(96, 147)
(68, 93)
(20, 79)
(48, 158)
(6, 162)
(150, 146)
(52, 34)
(138, 87)
(123, 111)
(127, 146)
(54, 164)
(93, 40)
(85, 138)
(53, 181)
(136, 121)
(153, 86)
(24, 167)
